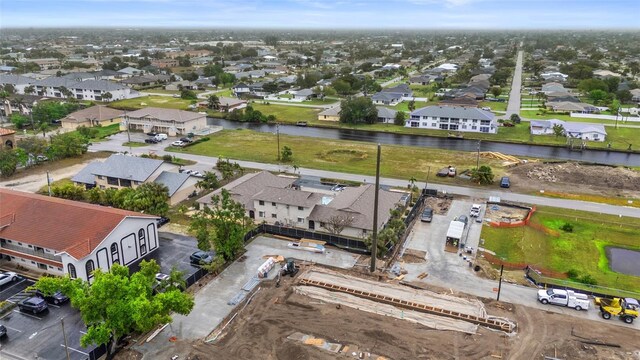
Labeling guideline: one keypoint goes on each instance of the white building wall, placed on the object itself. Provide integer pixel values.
(464, 125)
(285, 214)
(131, 245)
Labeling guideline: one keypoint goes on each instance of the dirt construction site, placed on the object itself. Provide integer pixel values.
(326, 313)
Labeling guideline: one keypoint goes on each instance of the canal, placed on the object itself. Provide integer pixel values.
(534, 151)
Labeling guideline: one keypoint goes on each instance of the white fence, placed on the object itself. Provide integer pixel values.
(606, 117)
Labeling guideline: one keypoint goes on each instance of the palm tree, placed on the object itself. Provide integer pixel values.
(213, 102)
(107, 96)
(29, 89)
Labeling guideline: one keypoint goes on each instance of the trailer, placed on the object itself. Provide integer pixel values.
(454, 235)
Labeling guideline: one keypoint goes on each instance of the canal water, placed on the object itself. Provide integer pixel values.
(624, 260)
(535, 151)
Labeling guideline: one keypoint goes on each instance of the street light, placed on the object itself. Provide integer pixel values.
(64, 335)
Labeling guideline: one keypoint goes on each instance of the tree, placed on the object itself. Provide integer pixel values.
(358, 110)
(33, 145)
(588, 85)
(271, 40)
(515, 118)
(209, 181)
(597, 96)
(187, 94)
(411, 105)
(66, 92)
(30, 89)
(336, 223)
(384, 237)
(496, 91)
(341, 87)
(558, 130)
(624, 96)
(286, 155)
(69, 191)
(8, 162)
(483, 175)
(227, 168)
(213, 102)
(69, 144)
(107, 96)
(222, 226)
(150, 198)
(18, 120)
(118, 303)
(400, 118)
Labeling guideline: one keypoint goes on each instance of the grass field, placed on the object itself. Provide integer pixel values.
(134, 144)
(151, 101)
(288, 114)
(422, 90)
(494, 105)
(619, 201)
(581, 250)
(399, 162)
(404, 106)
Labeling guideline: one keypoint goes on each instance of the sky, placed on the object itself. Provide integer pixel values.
(324, 14)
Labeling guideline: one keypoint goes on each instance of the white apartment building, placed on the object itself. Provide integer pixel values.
(453, 118)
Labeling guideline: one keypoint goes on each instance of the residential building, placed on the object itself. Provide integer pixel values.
(7, 138)
(386, 115)
(98, 115)
(583, 131)
(122, 171)
(453, 118)
(19, 82)
(330, 114)
(635, 93)
(165, 63)
(64, 237)
(276, 199)
(568, 106)
(553, 87)
(170, 121)
(240, 89)
(385, 98)
(402, 89)
(304, 94)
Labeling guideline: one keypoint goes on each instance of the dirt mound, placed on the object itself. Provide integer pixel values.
(580, 174)
(414, 256)
(440, 206)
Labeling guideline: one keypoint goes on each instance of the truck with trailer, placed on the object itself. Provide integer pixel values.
(566, 298)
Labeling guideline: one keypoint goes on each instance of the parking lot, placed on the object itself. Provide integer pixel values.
(40, 336)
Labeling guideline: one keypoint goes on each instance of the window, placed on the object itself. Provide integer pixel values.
(115, 255)
(20, 243)
(434, 124)
(273, 204)
(71, 269)
(474, 127)
(364, 231)
(89, 267)
(43, 266)
(301, 208)
(125, 183)
(260, 213)
(453, 127)
(100, 177)
(464, 126)
(415, 124)
(321, 224)
(112, 181)
(484, 129)
(275, 216)
(425, 124)
(142, 239)
(444, 126)
(300, 220)
(30, 246)
(261, 202)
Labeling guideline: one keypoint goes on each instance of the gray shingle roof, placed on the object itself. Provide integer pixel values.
(460, 112)
(103, 85)
(173, 181)
(86, 176)
(334, 111)
(16, 79)
(288, 196)
(128, 167)
(385, 96)
(56, 82)
(386, 113)
(164, 114)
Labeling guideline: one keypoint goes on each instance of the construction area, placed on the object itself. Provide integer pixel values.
(503, 213)
(327, 313)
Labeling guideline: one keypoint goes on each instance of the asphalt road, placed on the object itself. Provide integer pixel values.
(513, 106)
(115, 144)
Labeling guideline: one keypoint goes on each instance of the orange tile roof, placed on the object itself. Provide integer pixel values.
(5, 131)
(58, 224)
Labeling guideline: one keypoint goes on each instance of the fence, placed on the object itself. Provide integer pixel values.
(195, 277)
(96, 353)
(351, 244)
(540, 280)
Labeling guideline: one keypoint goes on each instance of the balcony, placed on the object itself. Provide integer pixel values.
(30, 251)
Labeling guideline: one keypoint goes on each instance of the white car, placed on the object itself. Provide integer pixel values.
(8, 277)
(177, 143)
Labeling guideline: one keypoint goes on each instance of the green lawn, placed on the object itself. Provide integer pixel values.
(581, 250)
(225, 93)
(404, 106)
(422, 90)
(160, 90)
(400, 162)
(151, 101)
(536, 114)
(494, 105)
(288, 114)
(134, 144)
(104, 131)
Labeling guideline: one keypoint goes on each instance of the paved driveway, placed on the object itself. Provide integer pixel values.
(449, 270)
(211, 301)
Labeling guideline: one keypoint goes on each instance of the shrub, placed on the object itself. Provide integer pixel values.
(566, 227)
(587, 279)
(167, 158)
(573, 274)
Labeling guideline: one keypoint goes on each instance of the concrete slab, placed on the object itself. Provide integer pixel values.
(211, 301)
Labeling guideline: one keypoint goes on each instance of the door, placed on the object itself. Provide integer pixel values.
(559, 299)
(312, 225)
(252, 214)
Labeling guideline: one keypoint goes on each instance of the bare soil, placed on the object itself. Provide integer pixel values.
(414, 256)
(439, 205)
(573, 177)
(505, 213)
(261, 329)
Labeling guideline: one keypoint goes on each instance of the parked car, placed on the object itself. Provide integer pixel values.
(161, 136)
(8, 277)
(504, 182)
(443, 172)
(452, 171)
(33, 304)
(566, 298)
(201, 258)
(475, 210)
(186, 140)
(151, 140)
(197, 174)
(3, 331)
(463, 218)
(152, 134)
(177, 143)
(163, 220)
(337, 187)
(41, 158)
(55, 298)
(427, 215)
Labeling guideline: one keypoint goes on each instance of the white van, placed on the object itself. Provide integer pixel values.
(161, 137)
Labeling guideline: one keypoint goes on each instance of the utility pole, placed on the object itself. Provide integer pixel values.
(478, 156)
(64, 334)
(278, 137)
(374, 236)
(500, 283)
(426, 184)
(49, 183)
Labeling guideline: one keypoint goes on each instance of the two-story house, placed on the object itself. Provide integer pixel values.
(64, 237)
(171, 121)
(453, 118)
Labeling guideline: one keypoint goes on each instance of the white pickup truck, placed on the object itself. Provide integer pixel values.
(566, 298)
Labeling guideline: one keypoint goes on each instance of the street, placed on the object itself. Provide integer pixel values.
(513, 107)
